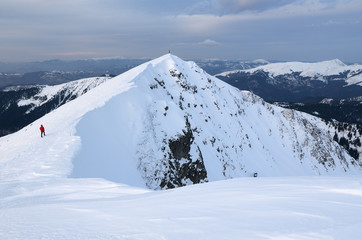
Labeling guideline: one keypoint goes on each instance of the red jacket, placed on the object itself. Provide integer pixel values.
(42, 128)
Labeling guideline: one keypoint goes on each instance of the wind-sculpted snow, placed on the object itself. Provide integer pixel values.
(295, 208)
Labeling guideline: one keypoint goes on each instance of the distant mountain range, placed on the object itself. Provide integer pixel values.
(214, 67)
(55, 72)
(112, 65)
(299, 82)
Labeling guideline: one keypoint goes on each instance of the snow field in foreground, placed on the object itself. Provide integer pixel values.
(245, 208)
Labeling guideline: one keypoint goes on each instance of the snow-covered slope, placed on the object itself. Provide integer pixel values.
(167, 123)
(297, 208)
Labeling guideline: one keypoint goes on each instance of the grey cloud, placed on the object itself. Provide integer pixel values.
(237, 6)
(206, 42)
(43, 29)
(209, 42)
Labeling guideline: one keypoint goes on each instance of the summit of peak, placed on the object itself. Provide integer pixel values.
(337, 62)
(166, 57)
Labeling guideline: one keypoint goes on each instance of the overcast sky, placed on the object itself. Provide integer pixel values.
(294, 30)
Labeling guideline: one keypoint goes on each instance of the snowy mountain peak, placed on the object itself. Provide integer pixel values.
(325, 68)
(338, 62)
(167, 123)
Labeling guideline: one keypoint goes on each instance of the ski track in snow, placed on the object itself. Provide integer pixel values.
(38, 199)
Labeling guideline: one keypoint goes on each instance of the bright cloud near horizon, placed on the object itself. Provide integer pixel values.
(283, 30)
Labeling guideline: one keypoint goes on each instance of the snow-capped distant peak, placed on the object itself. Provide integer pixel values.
(337, 62)
(325, 68)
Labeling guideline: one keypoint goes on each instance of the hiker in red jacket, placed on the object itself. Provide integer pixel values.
(42, 131)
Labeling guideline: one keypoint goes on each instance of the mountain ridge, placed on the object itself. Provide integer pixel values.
(167, 123)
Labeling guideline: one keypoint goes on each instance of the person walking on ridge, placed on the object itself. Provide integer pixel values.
(42, 131)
